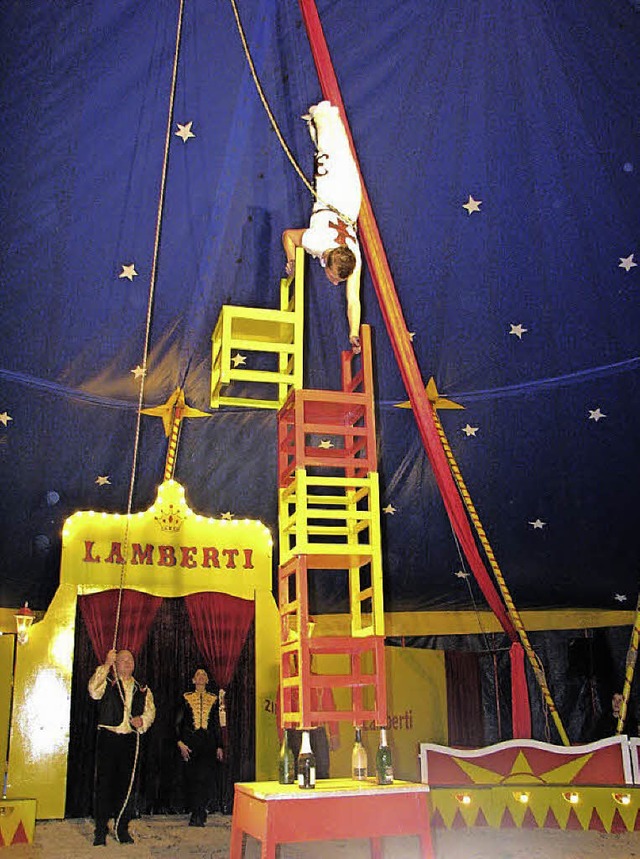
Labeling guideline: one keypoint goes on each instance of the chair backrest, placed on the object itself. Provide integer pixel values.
(357, 370)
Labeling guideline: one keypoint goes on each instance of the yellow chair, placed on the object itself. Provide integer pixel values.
(333, 523)
(277, 334)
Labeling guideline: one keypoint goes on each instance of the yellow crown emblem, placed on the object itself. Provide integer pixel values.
(170, 518)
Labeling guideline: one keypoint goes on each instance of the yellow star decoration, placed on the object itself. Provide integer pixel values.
(175, 409)
(472, 205)
(437, 401)
(521, 771)
(129, 271)
(184, 131)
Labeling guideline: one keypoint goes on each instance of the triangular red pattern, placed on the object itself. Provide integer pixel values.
(529, 821)
(618, 824)
(596, 822)
(481, 820)
(437, 821)
(507, 821)
(20, 836)
(636, 825)
(2, 844)
(458, 821)
(551, 821)
(573, 821)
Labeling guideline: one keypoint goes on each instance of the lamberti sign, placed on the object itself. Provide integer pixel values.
(168, 549)
(189, 557)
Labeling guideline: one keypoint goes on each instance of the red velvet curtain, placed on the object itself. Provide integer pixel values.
(137, 613)
(220, 624)
(465, 720)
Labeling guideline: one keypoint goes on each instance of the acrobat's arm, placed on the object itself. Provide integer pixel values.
(353, 308)
(291, 239)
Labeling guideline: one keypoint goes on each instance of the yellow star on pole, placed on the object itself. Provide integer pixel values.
(184, 131)
(128, 271)
(103, 480)
(437, 401)
(5, 417)
(174, 409)
(139, 372)
(472, 205)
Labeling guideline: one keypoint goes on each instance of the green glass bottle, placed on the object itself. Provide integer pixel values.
(384, 764)
(287, 762)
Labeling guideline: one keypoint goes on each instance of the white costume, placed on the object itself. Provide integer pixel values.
(337, 183)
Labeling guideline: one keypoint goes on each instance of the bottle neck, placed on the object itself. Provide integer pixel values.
(305, 746)
(358, 735)
(383, 736)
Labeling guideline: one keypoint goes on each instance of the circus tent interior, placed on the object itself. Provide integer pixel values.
(146, 184)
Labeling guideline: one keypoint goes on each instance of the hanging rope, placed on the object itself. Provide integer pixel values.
(143, 376)
(273, 122)
(534, 661)
(152, 286)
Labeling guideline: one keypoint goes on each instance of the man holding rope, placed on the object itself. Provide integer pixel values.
(331, 236)
(126, 710)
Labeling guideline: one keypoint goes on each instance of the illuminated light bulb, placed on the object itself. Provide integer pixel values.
(622, 798)
(521, 796)
(104, 515)
(463, 798)
(571, 797)
(92, 512)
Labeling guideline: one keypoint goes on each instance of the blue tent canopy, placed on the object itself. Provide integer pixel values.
(526, 311)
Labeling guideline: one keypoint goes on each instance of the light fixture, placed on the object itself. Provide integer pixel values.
(463, 798)
(622, 798)
(24, 618)
(521, 796)
(571, 797)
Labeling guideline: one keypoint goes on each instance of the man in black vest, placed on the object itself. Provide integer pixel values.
(126, 710)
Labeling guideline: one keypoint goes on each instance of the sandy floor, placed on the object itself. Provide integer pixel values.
(169, 836)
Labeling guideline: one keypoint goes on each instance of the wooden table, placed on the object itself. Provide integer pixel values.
(337, 808)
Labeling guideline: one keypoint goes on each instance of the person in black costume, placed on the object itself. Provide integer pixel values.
(125, 709)
(200, 744)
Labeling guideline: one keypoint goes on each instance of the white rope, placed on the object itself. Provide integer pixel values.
(145, 353)
(274, 124)
(152, 285)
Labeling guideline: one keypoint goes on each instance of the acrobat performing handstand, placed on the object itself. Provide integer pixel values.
(331, 235)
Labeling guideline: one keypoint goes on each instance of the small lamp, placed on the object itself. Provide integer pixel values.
(571, 796)
(24, 618)
(622, 798)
